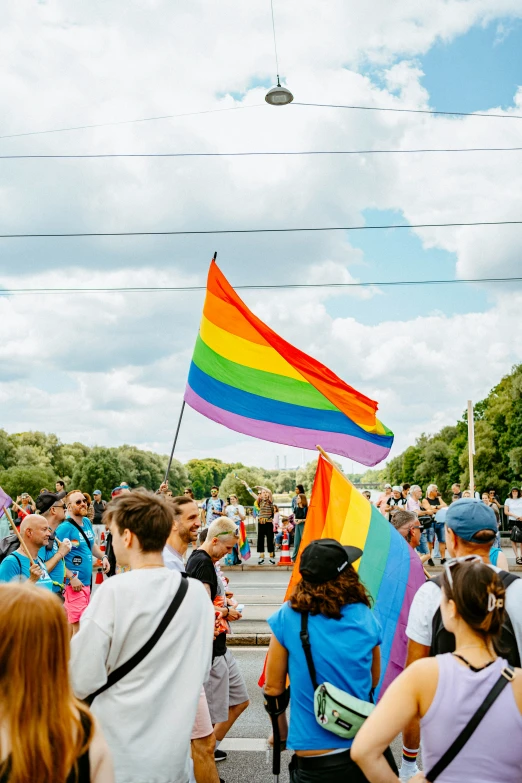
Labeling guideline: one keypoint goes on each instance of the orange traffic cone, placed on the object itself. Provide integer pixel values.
(99, 576)
(102, 542)
(285, 552)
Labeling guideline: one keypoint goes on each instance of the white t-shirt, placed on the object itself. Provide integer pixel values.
(146, 717)
(235, 512)
(173, 560)
(427, 600)
(514, 505)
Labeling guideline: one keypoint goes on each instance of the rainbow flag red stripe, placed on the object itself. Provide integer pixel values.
(389, 567)
(245, 376)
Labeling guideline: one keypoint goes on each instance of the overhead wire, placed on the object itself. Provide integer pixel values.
(254, 287)
(129, 122)
(258, 105)
(81, 155)
(410, 111)
(73, 234)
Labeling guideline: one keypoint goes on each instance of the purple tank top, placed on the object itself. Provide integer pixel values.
(494, 751)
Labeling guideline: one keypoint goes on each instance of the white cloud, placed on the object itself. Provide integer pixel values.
(110, 368)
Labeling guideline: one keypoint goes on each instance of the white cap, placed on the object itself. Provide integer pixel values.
(387, 486)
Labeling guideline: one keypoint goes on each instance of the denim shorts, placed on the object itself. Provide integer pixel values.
(438, 530)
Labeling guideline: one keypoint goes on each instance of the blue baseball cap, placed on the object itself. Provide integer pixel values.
(96, 492)
(467, 516)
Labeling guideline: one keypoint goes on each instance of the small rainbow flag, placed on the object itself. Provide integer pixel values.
(390, 569)
(246, 377)
(244, 546)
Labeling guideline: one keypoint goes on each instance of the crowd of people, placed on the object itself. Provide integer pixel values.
(461, 690)
(431, 510)
(148, 698)
(126, 656)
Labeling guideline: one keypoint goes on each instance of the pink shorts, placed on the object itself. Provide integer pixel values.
(76, 602)
(202, 724)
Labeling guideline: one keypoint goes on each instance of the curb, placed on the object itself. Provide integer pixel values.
(249, 640)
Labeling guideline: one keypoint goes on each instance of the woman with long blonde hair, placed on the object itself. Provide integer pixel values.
(46, 734)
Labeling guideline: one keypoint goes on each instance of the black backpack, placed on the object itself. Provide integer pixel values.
(443, 641)
(8, 545)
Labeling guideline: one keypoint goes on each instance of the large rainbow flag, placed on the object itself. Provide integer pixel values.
(389, 567)
(246, 377)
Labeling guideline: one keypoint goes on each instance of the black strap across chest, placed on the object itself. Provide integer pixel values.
(506, 677)
(118, 674)
(80, 529)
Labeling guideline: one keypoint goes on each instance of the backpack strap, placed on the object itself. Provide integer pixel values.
(307, 648)
(507, 676)
(19, 561)
(508, 578)
(117, 674)
(82, 531)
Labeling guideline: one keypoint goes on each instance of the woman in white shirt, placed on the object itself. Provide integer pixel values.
(513, 509)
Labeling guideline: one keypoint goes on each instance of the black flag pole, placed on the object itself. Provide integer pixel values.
(179, 423)
(175, 441)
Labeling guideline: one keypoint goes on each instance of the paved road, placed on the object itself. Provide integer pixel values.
(246, 742)
(262, 592)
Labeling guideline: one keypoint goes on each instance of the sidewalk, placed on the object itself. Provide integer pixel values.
(262, 589)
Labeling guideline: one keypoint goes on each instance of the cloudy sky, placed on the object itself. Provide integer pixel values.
(110, 368)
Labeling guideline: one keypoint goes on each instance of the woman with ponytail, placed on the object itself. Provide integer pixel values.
(46, 735)
(446, 691)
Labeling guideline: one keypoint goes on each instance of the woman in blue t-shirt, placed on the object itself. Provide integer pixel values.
(344, 637)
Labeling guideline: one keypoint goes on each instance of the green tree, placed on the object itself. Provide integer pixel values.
(7, 450)
(27, 478)
(232, 485)
(100, 469)
(205, 473)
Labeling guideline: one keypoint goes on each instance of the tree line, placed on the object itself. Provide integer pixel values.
(30, 461)
(442, 458)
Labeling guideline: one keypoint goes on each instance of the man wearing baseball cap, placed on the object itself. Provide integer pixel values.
(471, 528)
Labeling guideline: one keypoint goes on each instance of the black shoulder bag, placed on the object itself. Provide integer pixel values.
(507, 676)
(118, 674)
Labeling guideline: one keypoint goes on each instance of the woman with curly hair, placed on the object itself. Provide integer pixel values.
(46, 735)
(344, 637)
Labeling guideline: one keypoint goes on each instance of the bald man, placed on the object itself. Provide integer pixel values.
(34, 532)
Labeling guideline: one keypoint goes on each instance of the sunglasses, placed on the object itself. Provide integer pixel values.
(60, 505)
(453, 562)
(81, 502)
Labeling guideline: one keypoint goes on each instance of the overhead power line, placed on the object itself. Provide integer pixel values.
(251, 287)
(411, 111)
(257, 230)
(129, 122)
(255, 106)
(252, 154)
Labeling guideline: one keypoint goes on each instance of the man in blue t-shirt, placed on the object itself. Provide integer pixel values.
(34, 532)
(78, 529)
(213, 507)
(51, 506)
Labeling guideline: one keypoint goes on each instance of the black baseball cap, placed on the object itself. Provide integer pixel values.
(325, 559)
(45, 500)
